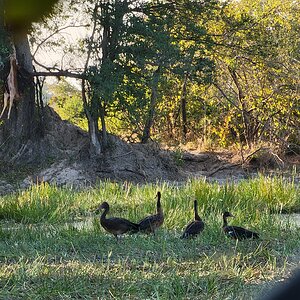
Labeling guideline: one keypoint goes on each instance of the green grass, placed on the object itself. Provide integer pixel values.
(52, 247)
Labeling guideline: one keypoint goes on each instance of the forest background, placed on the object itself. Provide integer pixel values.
(207, 74)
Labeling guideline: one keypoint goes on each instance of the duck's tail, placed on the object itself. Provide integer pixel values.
(134, 227)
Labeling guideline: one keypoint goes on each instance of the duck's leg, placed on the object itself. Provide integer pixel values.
(116, 236)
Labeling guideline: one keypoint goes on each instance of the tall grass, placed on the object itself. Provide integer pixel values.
(246, 199)
(56, 259)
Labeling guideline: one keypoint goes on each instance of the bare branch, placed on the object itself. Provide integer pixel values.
(54, 33)
(60, 73)
(55, 72)
(225, 96)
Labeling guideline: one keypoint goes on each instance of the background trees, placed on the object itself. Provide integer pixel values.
(223, 72)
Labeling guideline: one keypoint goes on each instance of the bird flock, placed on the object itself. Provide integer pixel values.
(149, 224)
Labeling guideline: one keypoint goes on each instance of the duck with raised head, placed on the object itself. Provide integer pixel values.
(115, 226)
(151, 223)
(236, 232)
(195, 227)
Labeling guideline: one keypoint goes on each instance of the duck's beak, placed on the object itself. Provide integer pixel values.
(231, 215)
(98, 209)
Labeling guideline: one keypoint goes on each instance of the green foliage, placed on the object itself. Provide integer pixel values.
(66, 101)
(178, 157)
(238, 61)
(250, 72)
(250, 94)
(154, 45)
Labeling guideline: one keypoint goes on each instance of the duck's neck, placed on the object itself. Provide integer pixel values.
(158, 206)
(197, 218)
(225, 221)
(103, 216)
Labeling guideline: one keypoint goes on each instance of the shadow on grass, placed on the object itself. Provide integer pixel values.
(75, 280)
(68, 263)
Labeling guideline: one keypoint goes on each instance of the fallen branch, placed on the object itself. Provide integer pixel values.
(279, 161)
(251, 154)
(135, 172)
(221, 168)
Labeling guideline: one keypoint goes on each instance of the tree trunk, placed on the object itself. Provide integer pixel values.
(3, 52)
(183, 109)
(249, 131)
(103, 126)
(21, 127)
(26, 124)
(95, 146)
(151, 112)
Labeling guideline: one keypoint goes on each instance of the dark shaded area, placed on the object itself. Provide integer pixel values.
(20, 14)
(289, 290)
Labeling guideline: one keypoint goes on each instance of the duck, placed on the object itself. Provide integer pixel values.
(116, 226)
(195, 227)
(150, 223)
(236, 232)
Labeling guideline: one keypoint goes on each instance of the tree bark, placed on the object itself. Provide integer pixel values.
(103, 126)
(95, 146)
(3, 50)
(249, 131)
(22, 124)
(183, 108)
(149, 120)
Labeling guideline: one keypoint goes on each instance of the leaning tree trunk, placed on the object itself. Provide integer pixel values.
(20, 128)
(151, 112)
(183, 108)
(250, 131)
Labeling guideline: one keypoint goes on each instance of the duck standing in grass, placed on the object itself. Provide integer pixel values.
(195, 227)
(236, 232)
(115, 226)
(152, 222)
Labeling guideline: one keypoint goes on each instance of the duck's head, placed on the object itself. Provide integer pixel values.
(158, 195)
(104, 206)
(227, 214)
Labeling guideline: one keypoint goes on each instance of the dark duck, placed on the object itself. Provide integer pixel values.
(195, 227)
(152, 222)
(236, 232)
(116, 226)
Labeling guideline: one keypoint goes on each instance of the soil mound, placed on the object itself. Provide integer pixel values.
(64, 158)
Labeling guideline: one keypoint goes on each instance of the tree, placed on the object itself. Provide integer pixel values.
(21, 130)
(168, 41)
(251, 58)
